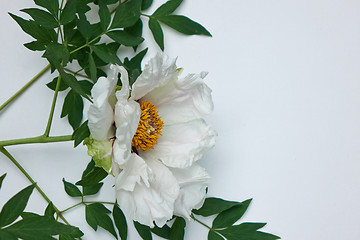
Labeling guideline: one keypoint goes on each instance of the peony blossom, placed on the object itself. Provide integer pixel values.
(150, 137)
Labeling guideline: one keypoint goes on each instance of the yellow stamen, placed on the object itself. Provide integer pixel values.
(149, 128)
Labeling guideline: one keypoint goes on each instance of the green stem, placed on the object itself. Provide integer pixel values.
(51, 115)
(71, 207)
(17, 164)
(192, 216)
(88, 43)
(39, 139)
(89, 202)
(76, 73)
(26, 86)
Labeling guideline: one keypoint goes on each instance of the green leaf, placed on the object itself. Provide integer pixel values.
(52, 85)
(146, 4)
(214, 236)
(35, 46)
(93, 177)
(92, 68)
(40, 227)
(15, 206)
(135, 30)
(81, 133)
(246, 231)
(104, 53)
(167, 8)
(126, 14)
(35, 30)
(163, 232)
(157, 32)
(178, 229)
(231, 215)
(2, 179)
(50, 210)
(125, 38)
(213, 206)
(183, 24)
(51, 5)
(71, 189)
(144, 231)
(87, 30)
(7, 236)
(73, 108)
(104, 14)
(28, 215)
(97, 215)
(56, 54)
(133, 66)
(91, 190)
(89, 168)
(120, 222)
(42, 17)
(86, 86)
(69, 12)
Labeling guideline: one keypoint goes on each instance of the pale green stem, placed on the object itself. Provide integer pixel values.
(17, 164)
(192, 216)
(88, 43)
(76, 73)
(51, 115)
(39, 139)
(26, 86)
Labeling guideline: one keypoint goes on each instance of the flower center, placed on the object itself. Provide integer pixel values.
(149, 128)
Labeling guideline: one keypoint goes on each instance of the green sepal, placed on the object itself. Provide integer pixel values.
(100, 151)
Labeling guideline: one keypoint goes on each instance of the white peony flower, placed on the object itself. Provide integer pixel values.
(157, 134)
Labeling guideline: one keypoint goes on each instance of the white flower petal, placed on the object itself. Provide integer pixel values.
(182, 100)
(182, 144)
(127, 117)
(100, 115)
(193, 182)
(147, 194)
(156, 73)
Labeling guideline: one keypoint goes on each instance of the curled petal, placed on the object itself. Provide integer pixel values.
(147, 191)
(159, 71)
(182, 144)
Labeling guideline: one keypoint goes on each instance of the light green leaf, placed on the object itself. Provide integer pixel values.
(81, 133)
(73, 108)
(2, 179)
(183, 24)
(157, 32)
(178, 229)
(167, 8)
(42, 17)
(231, 215)
(214, 236)
(120, 222)
(104, 14)
(97, 215)
(71, 189)
(144, 231)
(51, 5)
(69, 12)
(126, 14)
(104, 53)
(213, 206)
(15, 206)
(246, 231)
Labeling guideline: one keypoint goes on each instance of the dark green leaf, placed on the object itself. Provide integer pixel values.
(135, 30)
(81, 133)
(43, 18)
(50, 210)
(126, 14)
(120, 222)
(144, 231)
(135, 62)
(92, 68)
(51, 5)
(231, 215)
(157, 32)
(39, 228)
(146, 4)
(214, 236)
(104, 53)
(178, 229)
(104, 14)
(94, 189)
(57, 53)
(246, 231)
(93, 177)
(125, 38)
(29, 215)
(52, 85)
(89, 168)
(73, 108)
(35, 46)
(163, 232)
(86, 86)
(15, 206)
(71, 189)
(213, 206)
(7, 236)
(167, 8)
(183, 24)
(87, 30)
(35, 30)
(69, 12)
(2, 179)
(97, 215)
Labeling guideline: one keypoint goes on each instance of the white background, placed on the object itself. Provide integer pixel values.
(286, 85)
